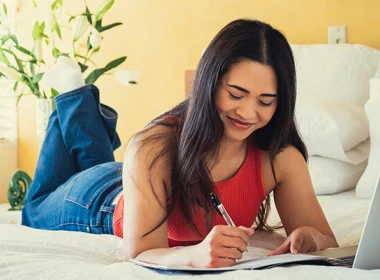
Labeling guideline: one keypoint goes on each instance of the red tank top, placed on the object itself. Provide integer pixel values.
(241, 195)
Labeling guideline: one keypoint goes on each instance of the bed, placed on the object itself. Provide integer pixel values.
(27, 253)
(337, 129)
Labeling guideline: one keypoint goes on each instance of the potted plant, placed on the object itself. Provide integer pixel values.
(26, 65)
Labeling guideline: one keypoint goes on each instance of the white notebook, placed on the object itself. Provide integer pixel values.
(255, 258)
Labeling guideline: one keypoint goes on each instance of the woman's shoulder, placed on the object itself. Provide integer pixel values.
(153, 137)
(285, 163)
(285, 156)
(150, 153)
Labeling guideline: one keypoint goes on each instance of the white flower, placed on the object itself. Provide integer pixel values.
(10, 73)
(38, 49)
(80, 26)
(95, 39)
(50, 20)
(127, 78)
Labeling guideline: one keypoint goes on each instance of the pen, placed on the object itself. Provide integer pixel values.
(222, 211)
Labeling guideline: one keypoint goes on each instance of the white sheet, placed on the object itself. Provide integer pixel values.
(27, 253)
(345, 213)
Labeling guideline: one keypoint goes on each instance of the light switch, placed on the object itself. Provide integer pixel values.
(337, 34)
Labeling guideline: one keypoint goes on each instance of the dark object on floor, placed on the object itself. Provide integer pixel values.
(18, 188)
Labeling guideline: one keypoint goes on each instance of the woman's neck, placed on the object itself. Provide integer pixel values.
(229, 149)
(227, 159)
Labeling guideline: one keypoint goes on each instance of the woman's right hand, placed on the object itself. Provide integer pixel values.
(221, 247)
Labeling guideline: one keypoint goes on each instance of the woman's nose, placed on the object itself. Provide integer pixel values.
(247, 111)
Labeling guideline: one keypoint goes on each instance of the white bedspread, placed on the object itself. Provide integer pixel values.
(27, 253)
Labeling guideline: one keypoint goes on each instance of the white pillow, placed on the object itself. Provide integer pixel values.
(332, 176)
(339, 71)
(332, 128)
(368, 181)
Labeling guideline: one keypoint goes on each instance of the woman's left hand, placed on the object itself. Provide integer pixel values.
(301, 240)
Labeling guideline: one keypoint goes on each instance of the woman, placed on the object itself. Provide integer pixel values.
(234, 136)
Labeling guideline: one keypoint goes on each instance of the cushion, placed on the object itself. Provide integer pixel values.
(367, 183)
(339, 71)
(331, 176)
(332, 128)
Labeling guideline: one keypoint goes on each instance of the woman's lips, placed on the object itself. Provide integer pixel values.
(240, 124)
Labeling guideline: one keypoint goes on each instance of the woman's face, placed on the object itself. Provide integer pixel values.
(246, 98)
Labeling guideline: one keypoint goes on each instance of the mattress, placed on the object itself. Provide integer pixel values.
(27, 253)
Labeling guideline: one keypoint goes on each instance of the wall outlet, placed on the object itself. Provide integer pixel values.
(337, 34)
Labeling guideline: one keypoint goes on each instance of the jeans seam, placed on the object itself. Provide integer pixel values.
(73, 92)
(96, 193)
(109, 109)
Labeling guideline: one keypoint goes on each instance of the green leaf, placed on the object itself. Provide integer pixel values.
(82, 67)
(19, 64)
(103, 9)
(4, 39)
(115, 63)
(13, 38)
(89, 47)
(25, 51)
(71, 18)
(34, 4)
(58, 31)
(32, 70)
(98, 24)
(54, 93)
(18, 98)
(88, 14)
(104, 28)
(81, 56)
(5, 9)
(7, 37)
(56, 52)
(18, 61)
(4, 58)
(94, 75)
(56, 4)
(42, 27)
(36, 31)
(37, 86)
(15, 86)
(37, 78)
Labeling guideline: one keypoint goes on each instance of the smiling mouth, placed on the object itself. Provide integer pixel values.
(240, 124)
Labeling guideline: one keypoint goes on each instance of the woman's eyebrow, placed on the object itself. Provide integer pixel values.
(239, 88)
(247, 91)
(268, 94)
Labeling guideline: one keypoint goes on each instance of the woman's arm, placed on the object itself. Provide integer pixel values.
(146, 191)
(298, 207)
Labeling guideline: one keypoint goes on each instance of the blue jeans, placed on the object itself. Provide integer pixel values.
(77, 178)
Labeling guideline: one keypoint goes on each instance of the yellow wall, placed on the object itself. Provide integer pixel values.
(166, 37)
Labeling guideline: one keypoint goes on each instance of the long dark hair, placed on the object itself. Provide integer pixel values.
(199, 128)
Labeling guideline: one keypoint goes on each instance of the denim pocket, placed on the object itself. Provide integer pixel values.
(84, 187)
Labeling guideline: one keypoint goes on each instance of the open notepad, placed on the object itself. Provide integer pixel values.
(255, 258)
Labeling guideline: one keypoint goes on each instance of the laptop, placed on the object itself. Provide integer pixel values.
(366, 255)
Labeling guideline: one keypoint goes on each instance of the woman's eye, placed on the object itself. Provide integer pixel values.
(265, 104)
(234, 96)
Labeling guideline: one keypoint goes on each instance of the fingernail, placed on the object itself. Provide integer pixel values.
(294, 252)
